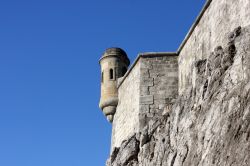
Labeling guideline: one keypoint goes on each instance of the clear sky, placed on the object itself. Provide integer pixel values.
(49, 71)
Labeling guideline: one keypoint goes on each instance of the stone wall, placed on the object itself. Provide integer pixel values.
(158, 85)
(126, 121)
(209, 122)
(219, 18)
(209, 125)
(150, 85)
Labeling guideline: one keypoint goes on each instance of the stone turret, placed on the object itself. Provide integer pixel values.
(114, 64)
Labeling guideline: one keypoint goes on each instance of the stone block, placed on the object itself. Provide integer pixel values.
(144, 73)
(160, 58)
(144, 108)
(144, 90)
(169, 69)
(172, 74)
(153, 73)
(159, 101)
(149, 99)
(159, 66)
(145, 64)
(152, 90)
(159, 96)
(147, 81)
(153, 106)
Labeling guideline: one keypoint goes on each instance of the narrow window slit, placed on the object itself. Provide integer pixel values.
(102, 77)
(111, 74)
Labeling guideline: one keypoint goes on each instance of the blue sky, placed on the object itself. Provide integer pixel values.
(49, 71)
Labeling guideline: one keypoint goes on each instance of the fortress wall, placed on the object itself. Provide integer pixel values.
(159, 85)
(126, 121)
(152, 83)
(220, 18)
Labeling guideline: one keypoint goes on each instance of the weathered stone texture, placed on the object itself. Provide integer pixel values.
(203, 116)
(158, 87)
(221, 17)
(151, 85)
(209, 124)
(126, 120)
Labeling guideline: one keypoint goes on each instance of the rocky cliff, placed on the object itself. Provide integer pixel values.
(209, 124)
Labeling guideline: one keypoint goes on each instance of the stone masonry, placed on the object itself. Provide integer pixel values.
(190, 107)
(209, 124)
(143, 93)
(158, 84)
(126, 117)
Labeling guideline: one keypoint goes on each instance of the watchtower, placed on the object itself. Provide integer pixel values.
(114, 64)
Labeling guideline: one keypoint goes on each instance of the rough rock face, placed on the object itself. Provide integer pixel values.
(209, 124)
